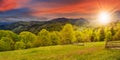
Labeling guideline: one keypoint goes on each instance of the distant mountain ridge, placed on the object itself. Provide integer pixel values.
(36, 26)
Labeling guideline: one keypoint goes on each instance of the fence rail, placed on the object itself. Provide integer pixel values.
(113, 44)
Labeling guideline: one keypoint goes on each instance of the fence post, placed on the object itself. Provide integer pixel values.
(106, 44)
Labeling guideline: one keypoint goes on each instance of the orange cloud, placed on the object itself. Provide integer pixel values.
(81, 8)
(72, 8)
(86, 7)
(7, 5)
(11, 4)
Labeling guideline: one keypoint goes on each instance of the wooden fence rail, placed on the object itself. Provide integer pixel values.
(113, 44)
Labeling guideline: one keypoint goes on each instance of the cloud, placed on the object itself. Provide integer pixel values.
(57, 8)
(7, 5)
(81, 7)
(15, 12)
(59, 1)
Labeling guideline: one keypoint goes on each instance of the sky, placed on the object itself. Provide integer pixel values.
(48, 9)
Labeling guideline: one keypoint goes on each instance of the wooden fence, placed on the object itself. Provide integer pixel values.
(113, 44)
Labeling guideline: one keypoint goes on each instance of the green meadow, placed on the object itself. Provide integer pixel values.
(90, 51)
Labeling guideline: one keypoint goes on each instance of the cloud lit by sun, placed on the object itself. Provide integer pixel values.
(57, 8)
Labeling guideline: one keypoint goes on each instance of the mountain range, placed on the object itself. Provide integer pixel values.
(36, 26)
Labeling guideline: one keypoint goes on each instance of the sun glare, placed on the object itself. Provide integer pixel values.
(104, 18)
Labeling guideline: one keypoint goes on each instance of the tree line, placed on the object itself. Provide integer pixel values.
(68, 35)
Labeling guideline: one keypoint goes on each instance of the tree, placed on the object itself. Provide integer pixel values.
(87, 35)
(117, 36)
(6, 44)
(78, 36)
(97, 35)
(10, 34)
(54, 38)
(28, 38)
(68, 34)
(108, 34)
(19, 45)
(44, 37)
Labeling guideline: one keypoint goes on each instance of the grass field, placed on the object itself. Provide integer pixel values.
(90, 51)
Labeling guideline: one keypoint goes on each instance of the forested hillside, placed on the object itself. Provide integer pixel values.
(36, 26)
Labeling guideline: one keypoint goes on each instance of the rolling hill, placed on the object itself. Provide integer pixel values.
(36, 26)
(91, 51)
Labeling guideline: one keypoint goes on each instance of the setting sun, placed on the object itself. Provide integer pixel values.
(104, 18)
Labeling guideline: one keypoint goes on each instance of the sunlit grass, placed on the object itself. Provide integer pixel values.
(90, 51)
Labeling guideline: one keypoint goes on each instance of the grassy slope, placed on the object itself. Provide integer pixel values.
(91, 51)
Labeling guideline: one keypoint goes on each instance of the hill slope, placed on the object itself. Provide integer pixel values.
(36, 26)
(91, 51)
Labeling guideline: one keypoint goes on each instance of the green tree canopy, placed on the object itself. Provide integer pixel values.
(6, 43)
(55, 38)
(28, 38)
(44, 37)
(68, 34)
